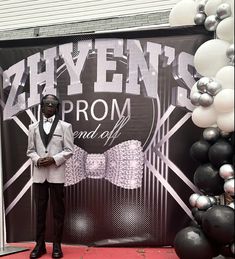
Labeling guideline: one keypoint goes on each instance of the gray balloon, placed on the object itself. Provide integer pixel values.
(193, 198)
(229, 187)
(206, 100)
(223, 11)
(199, 18)
(226, 171)
(213, 87)
(195, 98)
(230, 51)
(201, 84)
(213, 200)
(201, 6)
(211, 134)
(211, 22)
(203, 203)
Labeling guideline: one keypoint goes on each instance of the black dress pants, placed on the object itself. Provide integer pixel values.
(42, 192)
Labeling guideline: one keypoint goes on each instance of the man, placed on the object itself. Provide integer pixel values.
(50, 144)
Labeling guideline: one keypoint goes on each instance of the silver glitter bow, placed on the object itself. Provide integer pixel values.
(122, 165)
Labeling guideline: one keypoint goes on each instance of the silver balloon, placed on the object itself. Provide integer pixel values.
(201, 6)
(231, 205)
(206, 100)
(203, 203)
(213, 88)
(193, 198)
(229, 187)
(199, 18)
(195, 98)
(230, 51)
(211, 22)
(213, 200)
(226, 171)
(201, 84)
(223, 11)
(211, 134)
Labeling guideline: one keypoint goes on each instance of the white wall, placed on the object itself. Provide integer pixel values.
(18, 14)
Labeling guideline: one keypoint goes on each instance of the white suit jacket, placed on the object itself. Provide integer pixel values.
(60, 147)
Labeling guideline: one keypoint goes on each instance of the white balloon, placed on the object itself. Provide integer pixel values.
(211, 6)
(210, 57)
(224, 101)
(225, 121)
(226, 77)
(183, 13)
(231, 3)
(204, 117)
(225, 29)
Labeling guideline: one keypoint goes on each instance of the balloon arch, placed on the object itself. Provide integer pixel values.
(212, 230)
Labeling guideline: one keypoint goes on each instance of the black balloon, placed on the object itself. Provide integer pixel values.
(198, 216)
(208, 180)
(191, 243)
(218, 224)
(194, 211)
(221, 153)
(232, 139)
(199, 151)
(194, 223)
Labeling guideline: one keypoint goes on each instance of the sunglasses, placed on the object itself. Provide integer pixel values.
(53, 103)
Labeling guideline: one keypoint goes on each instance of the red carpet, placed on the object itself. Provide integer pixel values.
(83, 252)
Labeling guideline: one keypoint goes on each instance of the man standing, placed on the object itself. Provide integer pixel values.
(50, 144)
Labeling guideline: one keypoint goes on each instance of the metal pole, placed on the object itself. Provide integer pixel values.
(4, 249)
(2, 221)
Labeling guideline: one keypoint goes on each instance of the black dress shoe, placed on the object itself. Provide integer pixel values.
(57, 252)
(38, 251)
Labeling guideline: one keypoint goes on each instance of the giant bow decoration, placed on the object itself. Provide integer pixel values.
(122, 165)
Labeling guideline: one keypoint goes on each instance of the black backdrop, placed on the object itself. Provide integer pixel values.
(99, 212)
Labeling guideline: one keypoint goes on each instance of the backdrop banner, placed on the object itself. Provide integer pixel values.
(127, 98)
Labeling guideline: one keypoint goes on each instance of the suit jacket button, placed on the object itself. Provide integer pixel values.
(46, 151)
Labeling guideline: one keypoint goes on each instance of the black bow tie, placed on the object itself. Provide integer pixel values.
(48, 120)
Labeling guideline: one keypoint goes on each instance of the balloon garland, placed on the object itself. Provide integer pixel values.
(212, 230)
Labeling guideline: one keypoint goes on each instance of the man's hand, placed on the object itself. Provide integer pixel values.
(45, 161)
